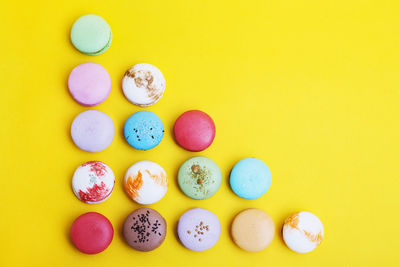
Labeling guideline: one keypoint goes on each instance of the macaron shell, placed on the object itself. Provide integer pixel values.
(143, 130)
(93, 182)
(92, 131)
(303, 232)
(253, 230)
(91, 34)
(89, 84)
(250, 178)
(144, 229)
(199, 229)
(194, 130)
(104, 48)
(199, 178)
(91, 233)
(143, 84)
(146, 182)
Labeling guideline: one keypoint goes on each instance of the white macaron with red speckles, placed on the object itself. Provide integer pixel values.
(303, 232)
(143, 84)
(93, 182)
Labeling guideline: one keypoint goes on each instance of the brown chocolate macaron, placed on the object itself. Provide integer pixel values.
(145, 229)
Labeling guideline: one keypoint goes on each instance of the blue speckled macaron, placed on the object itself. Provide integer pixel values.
(250, 178)
(144, 130)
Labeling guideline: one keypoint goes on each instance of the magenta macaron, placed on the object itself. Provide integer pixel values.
(89, 84)
(92, 233)
(194, 130)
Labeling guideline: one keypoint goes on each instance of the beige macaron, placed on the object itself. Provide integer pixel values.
(253, 230)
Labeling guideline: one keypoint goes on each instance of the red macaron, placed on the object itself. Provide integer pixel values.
(92, 233)
(194, 130)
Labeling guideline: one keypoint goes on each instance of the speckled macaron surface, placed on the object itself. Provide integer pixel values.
(91, 35)
(253, 230)
(146, 182)
(144, 229)
(143, 84)
(199, 177)
(144, 130)
(199, 229)
(194, 130)
(92, 130)
(303, 232)
(250, 178)
(91, 233)
(93, 182)
(89, 84)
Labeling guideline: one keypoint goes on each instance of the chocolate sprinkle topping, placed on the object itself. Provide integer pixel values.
(141, 226)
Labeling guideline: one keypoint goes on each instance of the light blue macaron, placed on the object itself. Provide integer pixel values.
(250, 178)
(143, 130)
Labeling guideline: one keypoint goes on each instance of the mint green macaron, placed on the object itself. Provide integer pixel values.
(91, 35)
(199, 178)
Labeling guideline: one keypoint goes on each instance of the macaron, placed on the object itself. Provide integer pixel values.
(92, 130)
(194, 130)
(146, 182)
(199, 177)
(253, 230)
(89, 84)
(250, 178)
(199, 229)
(91, 35)
(91, 233)
(143, 84)
(93, 182)
(144, 130)
(303, 232)
(145, 229)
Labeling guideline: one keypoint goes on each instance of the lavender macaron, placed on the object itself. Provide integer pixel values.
(92, 131)
(89, 84)
(199, 229)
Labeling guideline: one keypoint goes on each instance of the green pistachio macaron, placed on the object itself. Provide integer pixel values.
(91, 35)
(199, 178)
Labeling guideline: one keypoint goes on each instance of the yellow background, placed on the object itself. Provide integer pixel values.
(310, 87)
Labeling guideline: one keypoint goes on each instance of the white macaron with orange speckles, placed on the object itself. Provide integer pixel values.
(146, 182)
(143, 84)
(303, 232)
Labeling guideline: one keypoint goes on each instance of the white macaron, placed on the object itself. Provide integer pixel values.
(303, 232)
(93, 182)
(146, 182)
(143, 84)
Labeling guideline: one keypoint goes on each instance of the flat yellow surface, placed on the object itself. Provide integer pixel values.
(310, 87)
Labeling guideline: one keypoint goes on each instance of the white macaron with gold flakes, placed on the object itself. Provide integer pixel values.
(146, 182)
(303, 232)
(143, 84)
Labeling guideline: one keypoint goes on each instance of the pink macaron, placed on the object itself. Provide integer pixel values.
(91, 233)
(89, 84)
(194, 130)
